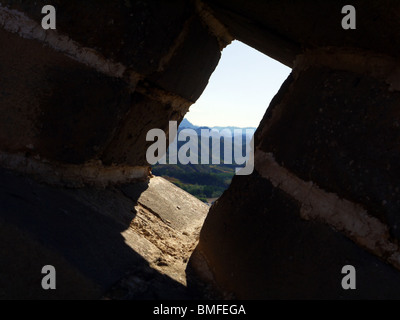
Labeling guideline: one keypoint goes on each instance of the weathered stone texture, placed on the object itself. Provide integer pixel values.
(129, 143)
(188, 70)
(283, 29)
(257, 247)
(137, 33)
(79, 91)
(347, 133)
(76, 104)
(334, 133)
(94, 238)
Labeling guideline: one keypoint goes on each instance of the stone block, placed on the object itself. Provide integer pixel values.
(135, 33)
(54, 107)
(192, 63)
(256, 246)
(346, 141)
(129, 144)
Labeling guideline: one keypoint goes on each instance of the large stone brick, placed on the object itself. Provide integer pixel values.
(53, 106)
(257, 247)
(136, 33)
(284, 29)
(324, 193)
(192, 64)
(346, 141)
(129, 144)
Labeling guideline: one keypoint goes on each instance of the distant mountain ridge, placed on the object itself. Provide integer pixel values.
(231, 132)
(186, 124)
(204, 181)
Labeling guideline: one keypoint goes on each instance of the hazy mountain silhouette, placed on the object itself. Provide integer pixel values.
(186, 124)
(205, 181)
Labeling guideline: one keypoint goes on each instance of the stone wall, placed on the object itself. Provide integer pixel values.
(324, 193)
(76, 104)
(91, 89)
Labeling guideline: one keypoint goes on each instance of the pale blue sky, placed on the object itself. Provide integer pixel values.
(240, 89)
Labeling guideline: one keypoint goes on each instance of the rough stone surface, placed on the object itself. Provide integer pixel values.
(284, 29)
(76, 104)
(55, 116)
(333, 131)
(256, 246)
(94, 238)
(80, 81)
(193, 60)
(129, 143)
(331, 126)
(169, 202)
(125, 31)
